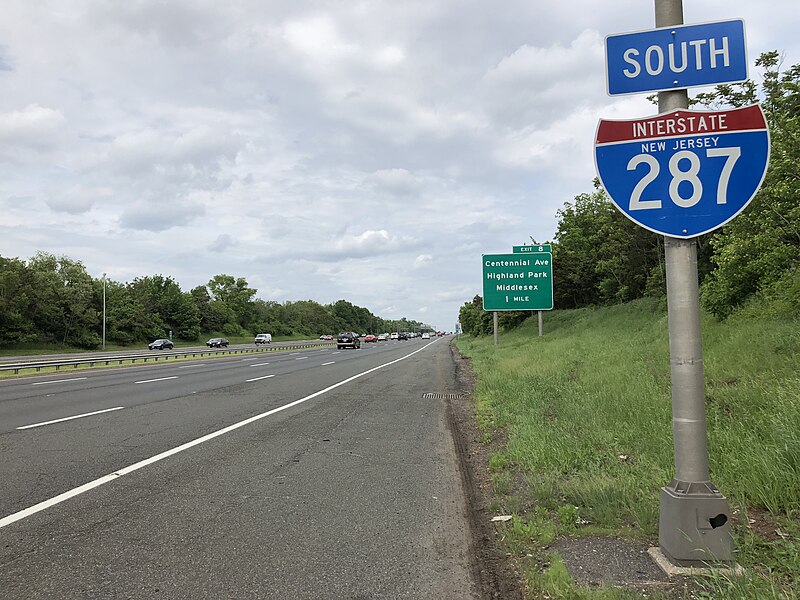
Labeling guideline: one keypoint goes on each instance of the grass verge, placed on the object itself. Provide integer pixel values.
(586, 418)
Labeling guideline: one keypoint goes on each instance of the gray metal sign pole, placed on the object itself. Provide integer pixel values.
(541, 325)
(496, 327)
(694, 516)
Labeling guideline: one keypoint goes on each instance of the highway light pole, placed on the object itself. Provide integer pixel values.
(104, 312)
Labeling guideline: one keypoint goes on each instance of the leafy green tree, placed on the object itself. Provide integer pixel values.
(236, 294)
(602, 257)
(61, 301)
(310, 318)
(760, 248)
(16, 324)
(202, 300)
(474, 320)
(269, 317)
(127, 319)
(175, 309)
(351, 317)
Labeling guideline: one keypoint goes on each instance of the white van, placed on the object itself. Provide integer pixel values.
(263, 338)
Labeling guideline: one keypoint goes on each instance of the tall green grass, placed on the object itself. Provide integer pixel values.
(586, 412)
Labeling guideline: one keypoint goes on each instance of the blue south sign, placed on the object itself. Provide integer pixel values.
(670, 58)
(683, 173)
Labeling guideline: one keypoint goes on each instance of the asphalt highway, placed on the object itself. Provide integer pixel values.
(317, 473)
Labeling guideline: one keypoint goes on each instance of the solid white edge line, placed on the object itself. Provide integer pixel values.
(301, 358)
(159, 379)
(190, 366)
(58, 381)
(97, 412)
(27, 512)
(260, 365)
(333, 362)
(259, 378)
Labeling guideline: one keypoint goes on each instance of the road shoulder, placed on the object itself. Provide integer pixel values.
(496, 576)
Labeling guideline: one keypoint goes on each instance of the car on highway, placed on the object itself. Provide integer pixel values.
(160, 345)
(394, 336)
(348, 339)
(263, 338)
(402, 335)
(217, 343)
(370, 338)
(426, 336)
(383, 337)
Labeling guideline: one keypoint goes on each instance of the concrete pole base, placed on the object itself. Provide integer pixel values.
(673, 570)
(694, 525)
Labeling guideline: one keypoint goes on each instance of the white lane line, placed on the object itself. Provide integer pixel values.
(192, 366)
(97, 412)
(249, 359)
(260, 365)
(32, 510)
(154, 380)
(329, 363)
(337, 352)
(58, 381)
(259, 378)
(301, 358)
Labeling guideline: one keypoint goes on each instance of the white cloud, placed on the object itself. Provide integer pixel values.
(422, 260)
(32, 127)
(389, 56)
(317, 37)
(371, 243)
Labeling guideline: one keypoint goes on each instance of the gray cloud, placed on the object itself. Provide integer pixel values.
(222, 243)
(157, 217)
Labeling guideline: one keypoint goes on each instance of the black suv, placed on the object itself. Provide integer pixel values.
(348, 339)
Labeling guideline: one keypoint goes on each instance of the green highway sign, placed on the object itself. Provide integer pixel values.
(533, 248)
(518, 281)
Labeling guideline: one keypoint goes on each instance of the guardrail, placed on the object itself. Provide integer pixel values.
(107, 360)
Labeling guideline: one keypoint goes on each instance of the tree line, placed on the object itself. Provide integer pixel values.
(52, 299)
(601, 257)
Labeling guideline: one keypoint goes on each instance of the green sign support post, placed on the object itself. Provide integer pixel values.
(529, 249)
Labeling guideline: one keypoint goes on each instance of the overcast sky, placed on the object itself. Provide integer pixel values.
(365, 150)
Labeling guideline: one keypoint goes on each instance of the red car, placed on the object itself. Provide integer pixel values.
(370, 338)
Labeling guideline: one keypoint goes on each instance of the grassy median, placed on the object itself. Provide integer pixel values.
(583, 421)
